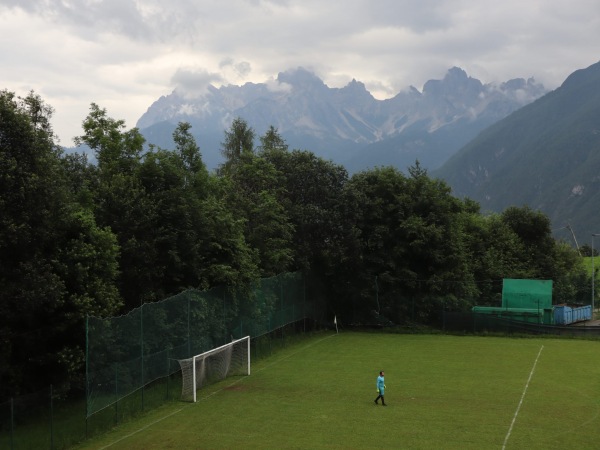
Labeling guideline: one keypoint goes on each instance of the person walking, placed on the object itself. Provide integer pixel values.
(380, 389)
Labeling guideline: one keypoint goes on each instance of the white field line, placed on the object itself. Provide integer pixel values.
(211, 394)
(522, 397)
(141, 429)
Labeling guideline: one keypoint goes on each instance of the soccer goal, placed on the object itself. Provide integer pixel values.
(214, 365)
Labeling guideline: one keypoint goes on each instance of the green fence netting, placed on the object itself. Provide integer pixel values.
(128, 352)
(526, 294)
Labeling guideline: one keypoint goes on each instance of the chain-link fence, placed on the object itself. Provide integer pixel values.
(128, 352)
(131, 360)
(476, 323)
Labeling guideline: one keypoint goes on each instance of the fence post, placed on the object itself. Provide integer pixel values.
(142, 350)
(87, 373)
(12, 424)
(189, 348)
(282, 312)
(116, 394)
(51, 419)
(269, 335)
(443, 315)
(304, 302)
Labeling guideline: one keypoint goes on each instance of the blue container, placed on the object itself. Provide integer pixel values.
(565, 315)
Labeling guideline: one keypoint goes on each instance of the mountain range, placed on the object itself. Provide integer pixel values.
(347, 125)
(512, 143)
(545, 155)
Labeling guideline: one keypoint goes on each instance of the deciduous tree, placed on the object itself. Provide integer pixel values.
(239, 140)
(56, 264)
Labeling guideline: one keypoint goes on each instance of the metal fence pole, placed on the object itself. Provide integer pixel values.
(282, 311)
(116, 394)
(142, 350)
(168, 372)
(87, 373)
(51, 420)
(189, 349)
(443, 315)
(12, 423)
(304, 302)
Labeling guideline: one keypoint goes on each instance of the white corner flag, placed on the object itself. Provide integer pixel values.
(335, 322)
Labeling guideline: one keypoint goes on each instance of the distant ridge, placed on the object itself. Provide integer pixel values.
(545, 155)
(347, 125)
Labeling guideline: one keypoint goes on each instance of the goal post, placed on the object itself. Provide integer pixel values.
(214, 365)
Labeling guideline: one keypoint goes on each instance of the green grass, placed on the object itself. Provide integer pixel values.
(451, 392)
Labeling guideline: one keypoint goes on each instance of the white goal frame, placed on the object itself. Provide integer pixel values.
(194, 370)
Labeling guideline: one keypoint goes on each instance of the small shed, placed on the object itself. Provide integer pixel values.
(524, 300)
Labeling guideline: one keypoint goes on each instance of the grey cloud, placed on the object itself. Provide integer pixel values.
(193, 83)
(274, 85)
(416, 15)
(148, 20)
(108, 46)
(239, 70)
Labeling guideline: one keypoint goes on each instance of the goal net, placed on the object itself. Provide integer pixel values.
(214, 365)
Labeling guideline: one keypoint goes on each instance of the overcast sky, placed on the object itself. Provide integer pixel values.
(125, 54)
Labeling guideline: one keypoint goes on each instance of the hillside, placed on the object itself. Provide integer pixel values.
(545, 155)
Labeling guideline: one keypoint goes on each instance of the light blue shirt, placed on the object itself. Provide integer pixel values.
(380, 384)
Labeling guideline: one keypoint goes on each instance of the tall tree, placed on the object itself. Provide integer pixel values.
(438, 247)
(191, 239)
(255, 194)
(272, 141)
(117, 150)
(534, 232)
(239, 140)
(120, 199)
(189, 152)
(56, 264)
(495, 253)
(195, 241)
(413, 256)
(313, 196)
(546, 258)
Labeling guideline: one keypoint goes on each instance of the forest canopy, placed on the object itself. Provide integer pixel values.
(143, 223)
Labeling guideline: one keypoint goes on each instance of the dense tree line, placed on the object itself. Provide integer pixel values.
(143, 223)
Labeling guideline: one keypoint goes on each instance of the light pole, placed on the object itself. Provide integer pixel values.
(593, 272)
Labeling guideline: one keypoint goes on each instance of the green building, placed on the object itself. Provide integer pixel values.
(523, 300)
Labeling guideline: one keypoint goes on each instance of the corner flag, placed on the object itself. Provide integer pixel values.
(335, 322)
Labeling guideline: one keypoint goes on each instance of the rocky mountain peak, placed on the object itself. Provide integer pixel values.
(300, 78)
(335, 122)
(455, 82)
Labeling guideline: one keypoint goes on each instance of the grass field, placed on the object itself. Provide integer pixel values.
(443, 392)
